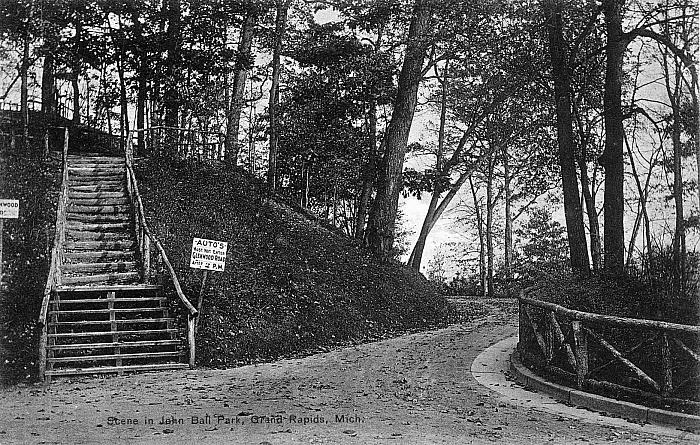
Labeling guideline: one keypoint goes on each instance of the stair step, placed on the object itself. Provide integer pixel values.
(116, 300)
(99, 236)
(94, 158)
(100, 217)
(110, 333)
(99, 245)
(145, 288)
(111, 369)
(95, 195)
(96, 358)
(97, 165)
(120, 344)
(105, 179)
(97, 185)
(97, 227)
(108, 322)
(107, 311)
(99, 267)
(97, 168)
(122, 200)
(97, 209)
(113, 255)
(78, 173)
(102, 278)
(100, 187)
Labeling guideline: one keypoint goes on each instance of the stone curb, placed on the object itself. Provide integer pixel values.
(599, 403)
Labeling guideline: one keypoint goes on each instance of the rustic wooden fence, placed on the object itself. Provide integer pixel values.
(182, 144)
(630, 358)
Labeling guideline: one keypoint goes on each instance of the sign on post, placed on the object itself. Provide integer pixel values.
(208, 254)
(9, 208)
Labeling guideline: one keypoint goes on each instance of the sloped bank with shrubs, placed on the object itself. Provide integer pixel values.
(290, 286)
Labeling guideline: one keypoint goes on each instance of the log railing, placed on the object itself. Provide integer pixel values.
(636, 357)
(146, 238)
(54, 277)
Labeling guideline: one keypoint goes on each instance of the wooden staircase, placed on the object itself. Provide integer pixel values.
(102, 316)
(100, 245)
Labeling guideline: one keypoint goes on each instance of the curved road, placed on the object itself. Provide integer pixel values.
(414, 389)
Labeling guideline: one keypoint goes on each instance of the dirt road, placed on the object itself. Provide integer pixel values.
(413, 389)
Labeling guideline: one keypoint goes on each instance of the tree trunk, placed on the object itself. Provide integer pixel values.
(591, 211)
(123, 104)
(417, 253)
(674, 97)
(489, 227)
(48, 86)
(171, 97)
(24, 89)
(243, 62)
(508, 235)
(480, 232)
(612, 158)
(280, 25)
(142, 84)
(573, 211)
(75, 78)
(382, 220)
(251, 139)
(643, 193)
(369, 173)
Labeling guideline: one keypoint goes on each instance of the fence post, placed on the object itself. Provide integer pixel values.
(581, 351)
(46, 144)
(521, 325)
(146, 258)
(667, 372)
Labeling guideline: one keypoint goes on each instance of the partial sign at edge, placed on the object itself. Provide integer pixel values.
(9, 208)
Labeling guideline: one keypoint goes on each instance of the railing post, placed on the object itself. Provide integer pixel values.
(146, 258)
(581, 351)
(666, 371)
(46, 144)
(521, 324)
(42, 352)
(190, 338)
(549, 338)
(66, 135)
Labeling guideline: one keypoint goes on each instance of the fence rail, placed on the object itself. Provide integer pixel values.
(635, 357)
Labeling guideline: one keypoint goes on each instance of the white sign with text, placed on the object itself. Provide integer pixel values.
(9, 208)
(208, 254)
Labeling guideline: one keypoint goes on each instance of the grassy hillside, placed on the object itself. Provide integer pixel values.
(26, 246)
(290, 285)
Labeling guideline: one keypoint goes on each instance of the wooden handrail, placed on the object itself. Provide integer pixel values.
(159, 246)
(56, 257)
(137, 203)
(610, 319)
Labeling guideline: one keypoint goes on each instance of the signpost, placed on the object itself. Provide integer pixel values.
(208, 255)
(9, 209)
